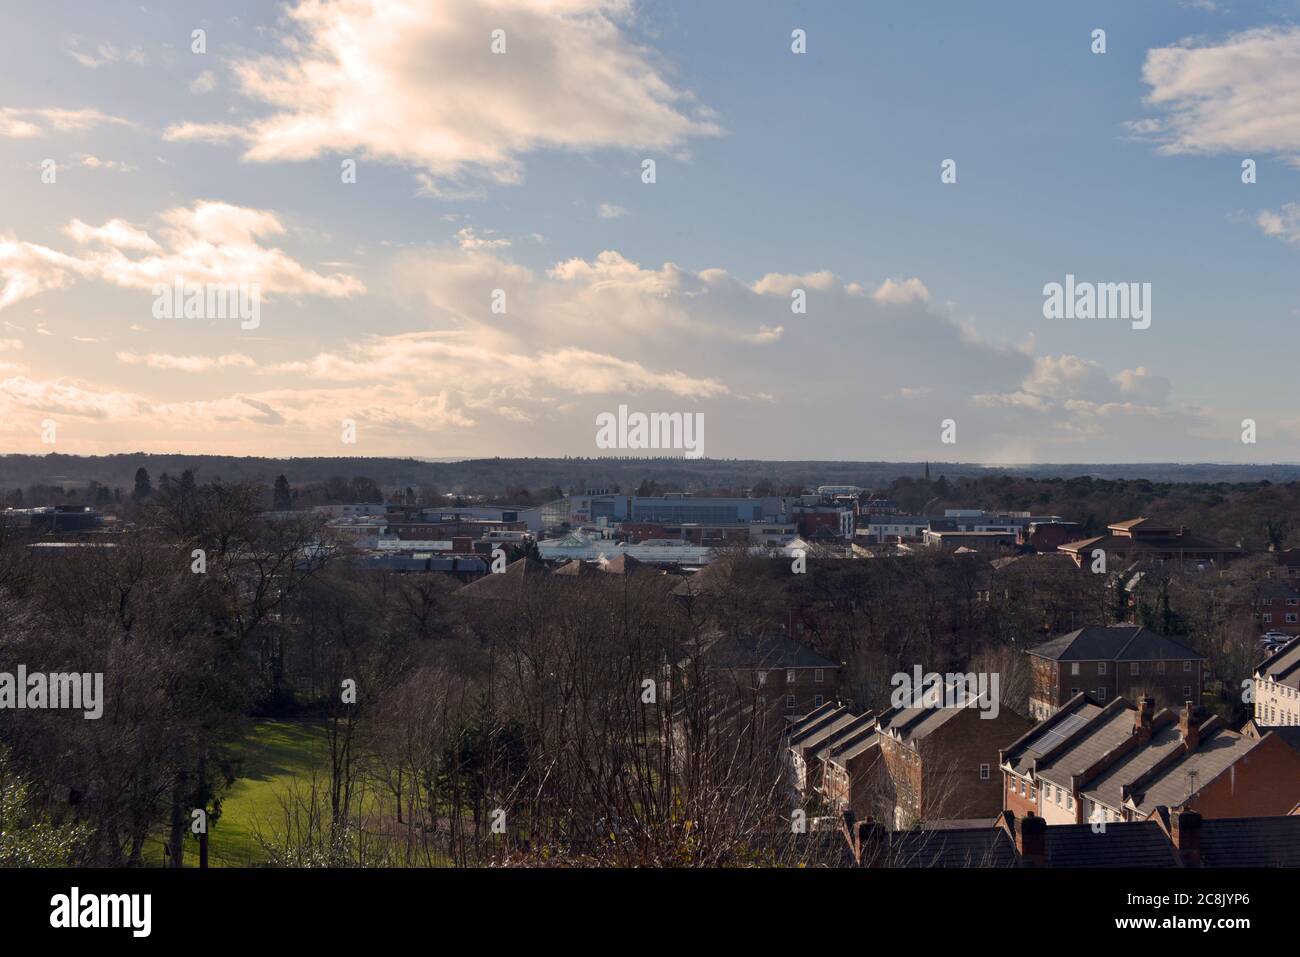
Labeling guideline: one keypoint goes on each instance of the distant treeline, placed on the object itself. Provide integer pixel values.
(495, 475)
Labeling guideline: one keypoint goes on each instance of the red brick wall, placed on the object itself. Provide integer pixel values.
(1264, 783)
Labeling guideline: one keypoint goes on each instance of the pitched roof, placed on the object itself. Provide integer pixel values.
(1109, 729)
(813, 736)
(1119, 643)
(1283, 665)
(764, 651)
(863, 725)
(626, 565)
(509, 584)
(1176, 782)
(1133, 523)
(1289, 733)
(914, 723)
(859, 744)
(1122, 844)
(1070, 719)
(930, 847)
(1109, 786)
(1251, 842)
(812, 717)
(576, 568)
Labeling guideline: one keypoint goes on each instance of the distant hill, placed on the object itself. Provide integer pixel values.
(499, 474)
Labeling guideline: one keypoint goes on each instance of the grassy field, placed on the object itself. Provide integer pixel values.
(275, 755)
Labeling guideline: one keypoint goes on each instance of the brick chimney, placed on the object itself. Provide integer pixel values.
(1188, 727)
(1031, 840)
(1185, 831)
(1146, 709)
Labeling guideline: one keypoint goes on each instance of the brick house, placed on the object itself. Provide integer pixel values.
(1089, 763)
(1105, 662)
(940, 762)
(780, 674)
(1277, 687)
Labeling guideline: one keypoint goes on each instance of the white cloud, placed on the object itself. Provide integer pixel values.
(205, 82)
(210, 242)
(1283, 223)
(88, 161)
(610, 211)
(25, 123)
(413, 83)
(468, 239)
(157, 360)
(1239, 95)
(907, 290)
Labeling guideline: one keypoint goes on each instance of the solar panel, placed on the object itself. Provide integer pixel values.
(1055, 735)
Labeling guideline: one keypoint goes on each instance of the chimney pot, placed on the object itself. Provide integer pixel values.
(1146, 709)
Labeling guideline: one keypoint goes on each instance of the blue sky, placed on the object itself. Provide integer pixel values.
(775, 171)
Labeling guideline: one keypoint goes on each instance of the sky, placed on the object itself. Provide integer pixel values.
(455, 251)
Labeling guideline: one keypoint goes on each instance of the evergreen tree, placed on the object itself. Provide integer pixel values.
(282, 495)
(1119, 601)
(143, 487)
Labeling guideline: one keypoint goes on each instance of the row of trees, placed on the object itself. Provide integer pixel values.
(566, 719)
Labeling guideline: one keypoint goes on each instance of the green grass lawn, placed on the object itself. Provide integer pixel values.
(276, 754)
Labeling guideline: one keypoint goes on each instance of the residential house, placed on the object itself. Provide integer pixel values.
(1090, 764)
(938, 762)
(1107, 661)
(1277, 687)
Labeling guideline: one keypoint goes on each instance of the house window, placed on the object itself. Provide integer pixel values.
(1069, 802)
(1056, 793)
(1160, 667)
(789, 676)
(762, 678)
(1187, 692)
(789, 701)
(1074, 668)
(1187, 666)
(1101, 667)
(818, 701)
(1133, 668)
(1101, 694)
(1268, 617)
(819, 675)
(984, 772)
(1291, 618)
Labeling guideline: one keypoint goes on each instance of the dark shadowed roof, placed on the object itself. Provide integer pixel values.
(986, 846)
(1118, 643)
(764, 651)
(1251, 842)
(1125, 844)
